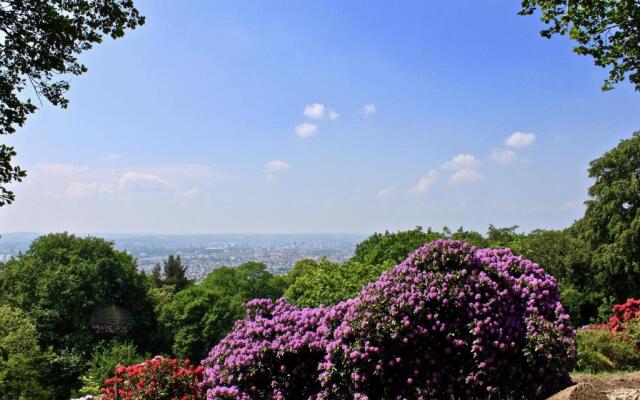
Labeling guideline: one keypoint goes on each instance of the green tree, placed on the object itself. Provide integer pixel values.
(199, 316)
(561, 254)
(330, 283)
(501, 237)
(41, 42)
(611, 224)
(156, 276)
(8, 173)
(256, 282)
(471, 237)
(160, 297)
(379, 248)
(60, 281)
(568, 259)
(395, 247)
(606, 30)
(22, 362)
(175, 274)
(300, 268)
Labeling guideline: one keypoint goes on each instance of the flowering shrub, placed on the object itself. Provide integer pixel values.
(623, 313)
(614, 346)
(449, 321)
(273, 353)
(603, 350)
(156, 379)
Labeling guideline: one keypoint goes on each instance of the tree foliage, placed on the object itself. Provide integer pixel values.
(329, 283)
(562, 253)
(606, 30)
(199, 316)
(8, 173)
(104, 360)
(394, 247)
(501, 237)
(172, 273)
(60, 281)
(314, 283)
(611, 224)
(22, 363)
(381, 247)
(301, 268)
(39, 49)
(568, 259)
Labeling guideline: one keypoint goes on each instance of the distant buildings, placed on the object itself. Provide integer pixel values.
(279, 255)
(203, 253)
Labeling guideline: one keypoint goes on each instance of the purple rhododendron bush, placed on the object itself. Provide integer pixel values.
(451, 321)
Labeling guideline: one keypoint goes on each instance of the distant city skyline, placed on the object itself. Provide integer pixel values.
(202, 253)
(306, 117)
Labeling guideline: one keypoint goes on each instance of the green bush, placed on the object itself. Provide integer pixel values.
(600, 350)
(330, 283)
(22, 363)
(196, 318)
(103, 363)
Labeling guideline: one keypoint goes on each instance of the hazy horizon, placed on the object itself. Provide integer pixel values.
(192, 234)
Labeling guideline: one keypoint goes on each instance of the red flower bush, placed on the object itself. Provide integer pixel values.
(156, 379)
(623, 313)
(614, 346)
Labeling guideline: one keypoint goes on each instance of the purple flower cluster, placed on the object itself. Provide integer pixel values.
(451, 321)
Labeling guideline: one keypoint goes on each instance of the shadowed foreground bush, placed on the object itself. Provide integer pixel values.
(449, 321)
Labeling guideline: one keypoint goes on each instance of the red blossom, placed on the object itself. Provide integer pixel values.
(156, 379)
(623, 313)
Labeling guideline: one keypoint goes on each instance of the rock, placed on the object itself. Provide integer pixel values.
(564, 394)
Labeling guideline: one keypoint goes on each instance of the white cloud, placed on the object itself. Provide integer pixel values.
(83, 189)
(315, 110)
(188, 173)
(272, 178)
(425, 183)
(113, 157)
(466, 176)
(272, 168)
(369, 109)
(141, 182)
(503, 156)
(306, 130)
(275, 166)
(386, 192)
(61, 170)
(461, 161)
(333, 115)
(72, 181)
(519, 140)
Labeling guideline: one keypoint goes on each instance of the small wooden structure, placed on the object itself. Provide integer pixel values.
(111, 320)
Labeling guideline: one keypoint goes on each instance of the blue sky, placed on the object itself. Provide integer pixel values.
(418, 113)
